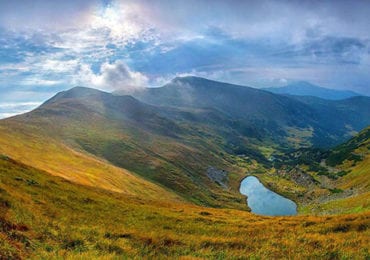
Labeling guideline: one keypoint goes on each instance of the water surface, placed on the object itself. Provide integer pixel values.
(263, 201)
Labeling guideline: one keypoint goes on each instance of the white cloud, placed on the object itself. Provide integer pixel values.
(15, 108)
(18, 104)
(6, 115)
(112, 76)
(75, 35)
(35, 81)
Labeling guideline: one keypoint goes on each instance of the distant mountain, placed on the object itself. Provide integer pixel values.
(319, 122)
(307, 89)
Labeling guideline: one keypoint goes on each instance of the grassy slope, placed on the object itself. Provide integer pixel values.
(348, 188)
(75, 142)
(49, 217)
(48, 154)
(354, 157)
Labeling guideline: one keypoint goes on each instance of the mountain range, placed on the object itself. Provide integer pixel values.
(151, 158)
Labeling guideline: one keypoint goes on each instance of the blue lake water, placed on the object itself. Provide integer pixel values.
(263, 201)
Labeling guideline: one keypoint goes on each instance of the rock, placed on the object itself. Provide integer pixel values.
(298, 176)
(218, 176)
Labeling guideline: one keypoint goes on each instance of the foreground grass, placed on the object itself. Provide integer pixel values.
(42, 216)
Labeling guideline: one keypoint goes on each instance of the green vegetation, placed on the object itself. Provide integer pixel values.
(347, 151)
(336, 170)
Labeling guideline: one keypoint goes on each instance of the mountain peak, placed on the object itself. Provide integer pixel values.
(303, 84)
(75, 92)
(80, 90)
(190, 79)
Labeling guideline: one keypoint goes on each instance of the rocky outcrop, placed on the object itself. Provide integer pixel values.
(218, 176)
(298, 176)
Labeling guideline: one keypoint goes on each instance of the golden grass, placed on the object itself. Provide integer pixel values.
(58, 159)
(47, 217)
(359, 176)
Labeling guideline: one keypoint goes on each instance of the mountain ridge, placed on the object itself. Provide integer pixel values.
(253, 106)
(303, 88)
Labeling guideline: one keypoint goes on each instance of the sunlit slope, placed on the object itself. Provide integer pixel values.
(354, 157)
(26, 143)
(348, 169)
(42, 216)
(79, 133)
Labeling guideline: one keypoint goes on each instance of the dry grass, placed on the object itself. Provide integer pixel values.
(58, 159)
(47, 217)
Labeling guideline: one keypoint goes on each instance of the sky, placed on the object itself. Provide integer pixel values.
(49, 46)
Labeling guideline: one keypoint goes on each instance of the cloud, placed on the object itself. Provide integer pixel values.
(45, 14)
(112, 76)
(115, 44)
(32, 81)
(11, 109)
(287, 20)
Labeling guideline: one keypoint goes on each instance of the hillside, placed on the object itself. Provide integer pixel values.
(303, 88)
(77, 132)
(42, 216)
(350, 163)
(331, 181)
(293, 122)
(353, 157)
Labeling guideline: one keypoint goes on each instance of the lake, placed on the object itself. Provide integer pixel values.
(263, 201)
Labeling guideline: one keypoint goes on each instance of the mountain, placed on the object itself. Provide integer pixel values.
(76, 131)
(303, 88)
(283, 119)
